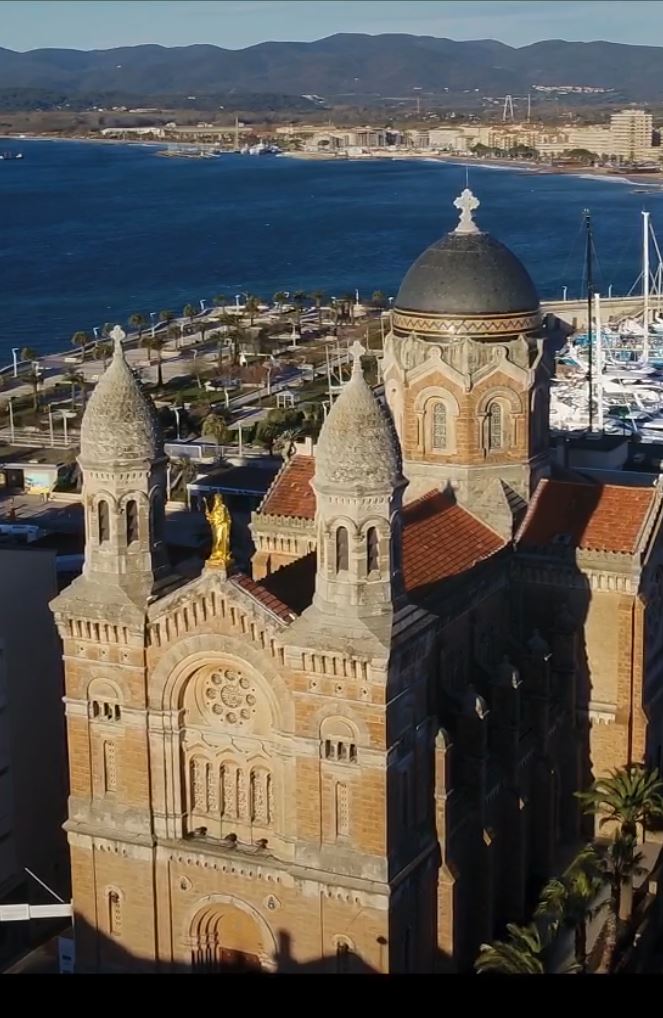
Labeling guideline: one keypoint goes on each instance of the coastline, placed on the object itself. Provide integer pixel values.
(652, 180)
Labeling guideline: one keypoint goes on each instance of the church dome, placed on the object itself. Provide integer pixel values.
(120, 423)
(357, 446)
(467, 284)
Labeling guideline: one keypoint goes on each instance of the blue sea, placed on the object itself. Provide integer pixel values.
(91, 232)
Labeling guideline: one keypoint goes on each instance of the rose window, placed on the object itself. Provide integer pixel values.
(230, 697)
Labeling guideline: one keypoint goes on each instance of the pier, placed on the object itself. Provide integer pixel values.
(574, 312)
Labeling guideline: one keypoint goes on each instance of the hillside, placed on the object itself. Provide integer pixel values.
(338, 68)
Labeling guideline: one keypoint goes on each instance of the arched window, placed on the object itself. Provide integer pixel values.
(495, 427)
(103, 519)
(439, 427)
(342, 556)
(372, 551)
(342, 957)
(132, 521)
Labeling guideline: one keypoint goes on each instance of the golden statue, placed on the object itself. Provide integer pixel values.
(219, 520)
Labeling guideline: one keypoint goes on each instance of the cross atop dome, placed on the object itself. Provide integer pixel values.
(118, 335)
(466, 203)
(357, 351)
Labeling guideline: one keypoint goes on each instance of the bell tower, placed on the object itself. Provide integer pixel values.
(467, 372)
(123, 469)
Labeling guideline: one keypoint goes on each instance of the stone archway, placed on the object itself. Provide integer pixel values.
(225, 936)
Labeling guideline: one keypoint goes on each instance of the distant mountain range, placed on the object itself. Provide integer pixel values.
(338, 68)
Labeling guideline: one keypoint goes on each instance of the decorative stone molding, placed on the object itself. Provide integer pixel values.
(457, 326)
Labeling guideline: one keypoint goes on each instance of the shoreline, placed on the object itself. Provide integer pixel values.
(650, 180)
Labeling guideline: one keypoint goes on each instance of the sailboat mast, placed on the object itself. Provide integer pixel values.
(645, 284)
(590, 301)
(599, 362)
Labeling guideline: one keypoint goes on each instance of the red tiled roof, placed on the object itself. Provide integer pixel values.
(263, 596)
(441, 540)
(291, 493)
(595, 517)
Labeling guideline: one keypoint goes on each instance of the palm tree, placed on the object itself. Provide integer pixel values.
(629, 796)
(279, 299)
(569, 901)
(252, 308)
(74, 378)
(166, 315)
(147, 342)
(102, 351)
(189, 312)
(378, 300)
(35, 380)
(621, 862)
(157, 343)
(80, 339)
(220, 300)
(138, 321)
(27, 353)
(519, 955)
(216, 427)
(318, 296)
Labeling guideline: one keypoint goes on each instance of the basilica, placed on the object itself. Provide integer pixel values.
(362, 757)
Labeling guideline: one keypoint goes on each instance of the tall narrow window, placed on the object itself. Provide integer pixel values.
(495, 426)
(372, 550)
(341, 550)
(103, 518)
(439, 434)
(132, 521)
(342, 811)
(156, 517)
(114, 913)
(110, 767)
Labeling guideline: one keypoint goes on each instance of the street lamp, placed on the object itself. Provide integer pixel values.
(610, 290)
(95, 329)
(177, 411)
(202, 305)
(11, 419)
(15, 352)
(356, 298)
(237, 296)
(50, 425)
(564, 289)
(153, 315)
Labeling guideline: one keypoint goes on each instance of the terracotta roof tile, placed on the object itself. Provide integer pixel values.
(594, 517)
(263, 596)
(440, 540)
(291, 493)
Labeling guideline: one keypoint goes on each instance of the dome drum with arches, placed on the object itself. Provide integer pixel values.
(467, 284)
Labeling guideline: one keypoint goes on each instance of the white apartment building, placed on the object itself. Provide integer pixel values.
(632, 135)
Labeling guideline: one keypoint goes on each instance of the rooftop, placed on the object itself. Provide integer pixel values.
(291, 493)
(592, 517)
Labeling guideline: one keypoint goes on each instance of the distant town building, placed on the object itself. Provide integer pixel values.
(631, 132)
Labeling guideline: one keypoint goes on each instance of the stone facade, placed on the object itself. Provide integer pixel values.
(379, 778)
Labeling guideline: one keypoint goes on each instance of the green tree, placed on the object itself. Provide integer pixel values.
(157, 344)
(378, 300)
(102, 351)
(147, 342)
(166, 315)
(621, 863)
(519, 955)
(252, 308)
(80, 339)
(220, 300)
(138, 321)
(279, 299)
(215, 427)
(34, 379)
(74, 378)
(570, 900)
(580, 155)
(27, 353)
(629, 796)
(189, 312)
(318, 297)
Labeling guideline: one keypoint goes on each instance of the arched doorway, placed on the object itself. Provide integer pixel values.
(225, 937)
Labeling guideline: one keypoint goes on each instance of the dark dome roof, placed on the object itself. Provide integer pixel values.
(467, 274)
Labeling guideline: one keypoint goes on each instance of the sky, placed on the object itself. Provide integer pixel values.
(102, 24)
